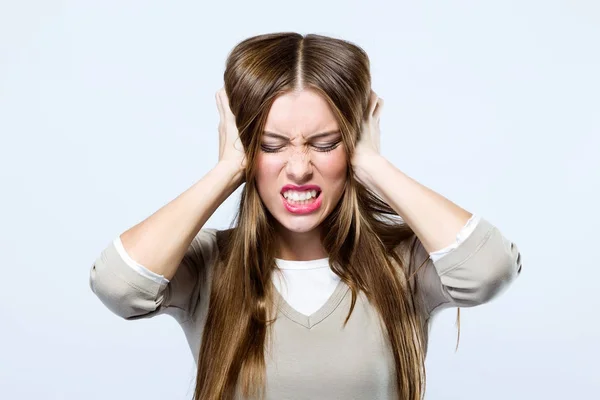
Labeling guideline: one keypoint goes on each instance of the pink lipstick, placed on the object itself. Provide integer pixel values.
(295, 207)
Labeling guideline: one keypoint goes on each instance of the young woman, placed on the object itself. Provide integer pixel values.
(325, 284)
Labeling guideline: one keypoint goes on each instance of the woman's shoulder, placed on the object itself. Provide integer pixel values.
(209, 239)
(211, 242)
(407, 246)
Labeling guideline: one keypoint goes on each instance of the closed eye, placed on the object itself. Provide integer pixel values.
(323, 149)
(326, 149)
(267, 149)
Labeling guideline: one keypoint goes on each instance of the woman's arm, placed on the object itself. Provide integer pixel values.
(131, 294)
(169, 250)
(435, 220)
(476, 269)
(170, 244)
(480, 268)
(160, 241)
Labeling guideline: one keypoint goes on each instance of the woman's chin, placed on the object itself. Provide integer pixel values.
(299, 224)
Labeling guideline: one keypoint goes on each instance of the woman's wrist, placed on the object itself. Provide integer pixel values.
(233, 170)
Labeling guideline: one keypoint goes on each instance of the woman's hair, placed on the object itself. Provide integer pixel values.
(360, 235)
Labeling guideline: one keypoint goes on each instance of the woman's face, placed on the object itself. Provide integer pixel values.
(301, 146)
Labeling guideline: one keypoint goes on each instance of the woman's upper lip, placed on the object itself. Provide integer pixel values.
(300, 188)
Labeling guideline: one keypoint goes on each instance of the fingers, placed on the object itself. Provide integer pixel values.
(378, 108)
(221, 122)
(223, 104)
(219, 105)
(375, 105)
(372, 103)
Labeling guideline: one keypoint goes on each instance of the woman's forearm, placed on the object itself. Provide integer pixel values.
(435, 220)
(160, 241)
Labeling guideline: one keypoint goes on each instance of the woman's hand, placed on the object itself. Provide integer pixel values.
(230, 146)
(367, 146)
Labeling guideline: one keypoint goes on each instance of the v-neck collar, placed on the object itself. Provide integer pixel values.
(308, 321)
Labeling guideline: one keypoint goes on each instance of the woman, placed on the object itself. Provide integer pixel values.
(325, 285)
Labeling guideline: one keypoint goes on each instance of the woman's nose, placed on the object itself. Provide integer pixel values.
(299, 166)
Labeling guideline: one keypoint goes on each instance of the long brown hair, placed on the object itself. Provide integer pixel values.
(359, 235)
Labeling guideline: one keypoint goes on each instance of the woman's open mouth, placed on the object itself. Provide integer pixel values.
(302, 202)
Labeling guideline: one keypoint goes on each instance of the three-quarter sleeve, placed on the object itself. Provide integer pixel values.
(461, 236)
(132, 295)
(135, 265)
(473, 273)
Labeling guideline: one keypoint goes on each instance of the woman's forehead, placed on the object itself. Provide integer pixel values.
(303, 113)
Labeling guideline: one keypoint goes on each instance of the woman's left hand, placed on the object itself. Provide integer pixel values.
(367, 146)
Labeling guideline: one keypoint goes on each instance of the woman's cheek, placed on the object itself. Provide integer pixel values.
(267, 174)
(333, 164)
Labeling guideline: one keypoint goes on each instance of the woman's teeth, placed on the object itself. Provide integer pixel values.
(300, 197)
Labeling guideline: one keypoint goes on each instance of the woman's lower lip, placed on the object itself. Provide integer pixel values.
(302, 208)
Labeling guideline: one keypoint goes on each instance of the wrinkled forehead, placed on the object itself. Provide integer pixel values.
(300, 114)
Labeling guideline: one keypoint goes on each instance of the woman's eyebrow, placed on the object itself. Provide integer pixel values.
(315, 136)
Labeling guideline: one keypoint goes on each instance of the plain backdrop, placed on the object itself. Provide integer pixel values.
(107, 112)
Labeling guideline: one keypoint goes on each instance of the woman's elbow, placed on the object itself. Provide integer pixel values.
(502, 269)
(121, 296)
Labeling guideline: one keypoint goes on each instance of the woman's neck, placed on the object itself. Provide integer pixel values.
(300, 246)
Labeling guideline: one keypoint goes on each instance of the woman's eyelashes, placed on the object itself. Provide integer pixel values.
(320, 148)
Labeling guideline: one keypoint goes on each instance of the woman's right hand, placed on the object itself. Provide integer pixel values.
(230, 146)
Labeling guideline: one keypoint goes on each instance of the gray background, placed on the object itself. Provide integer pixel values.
(107, 112)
